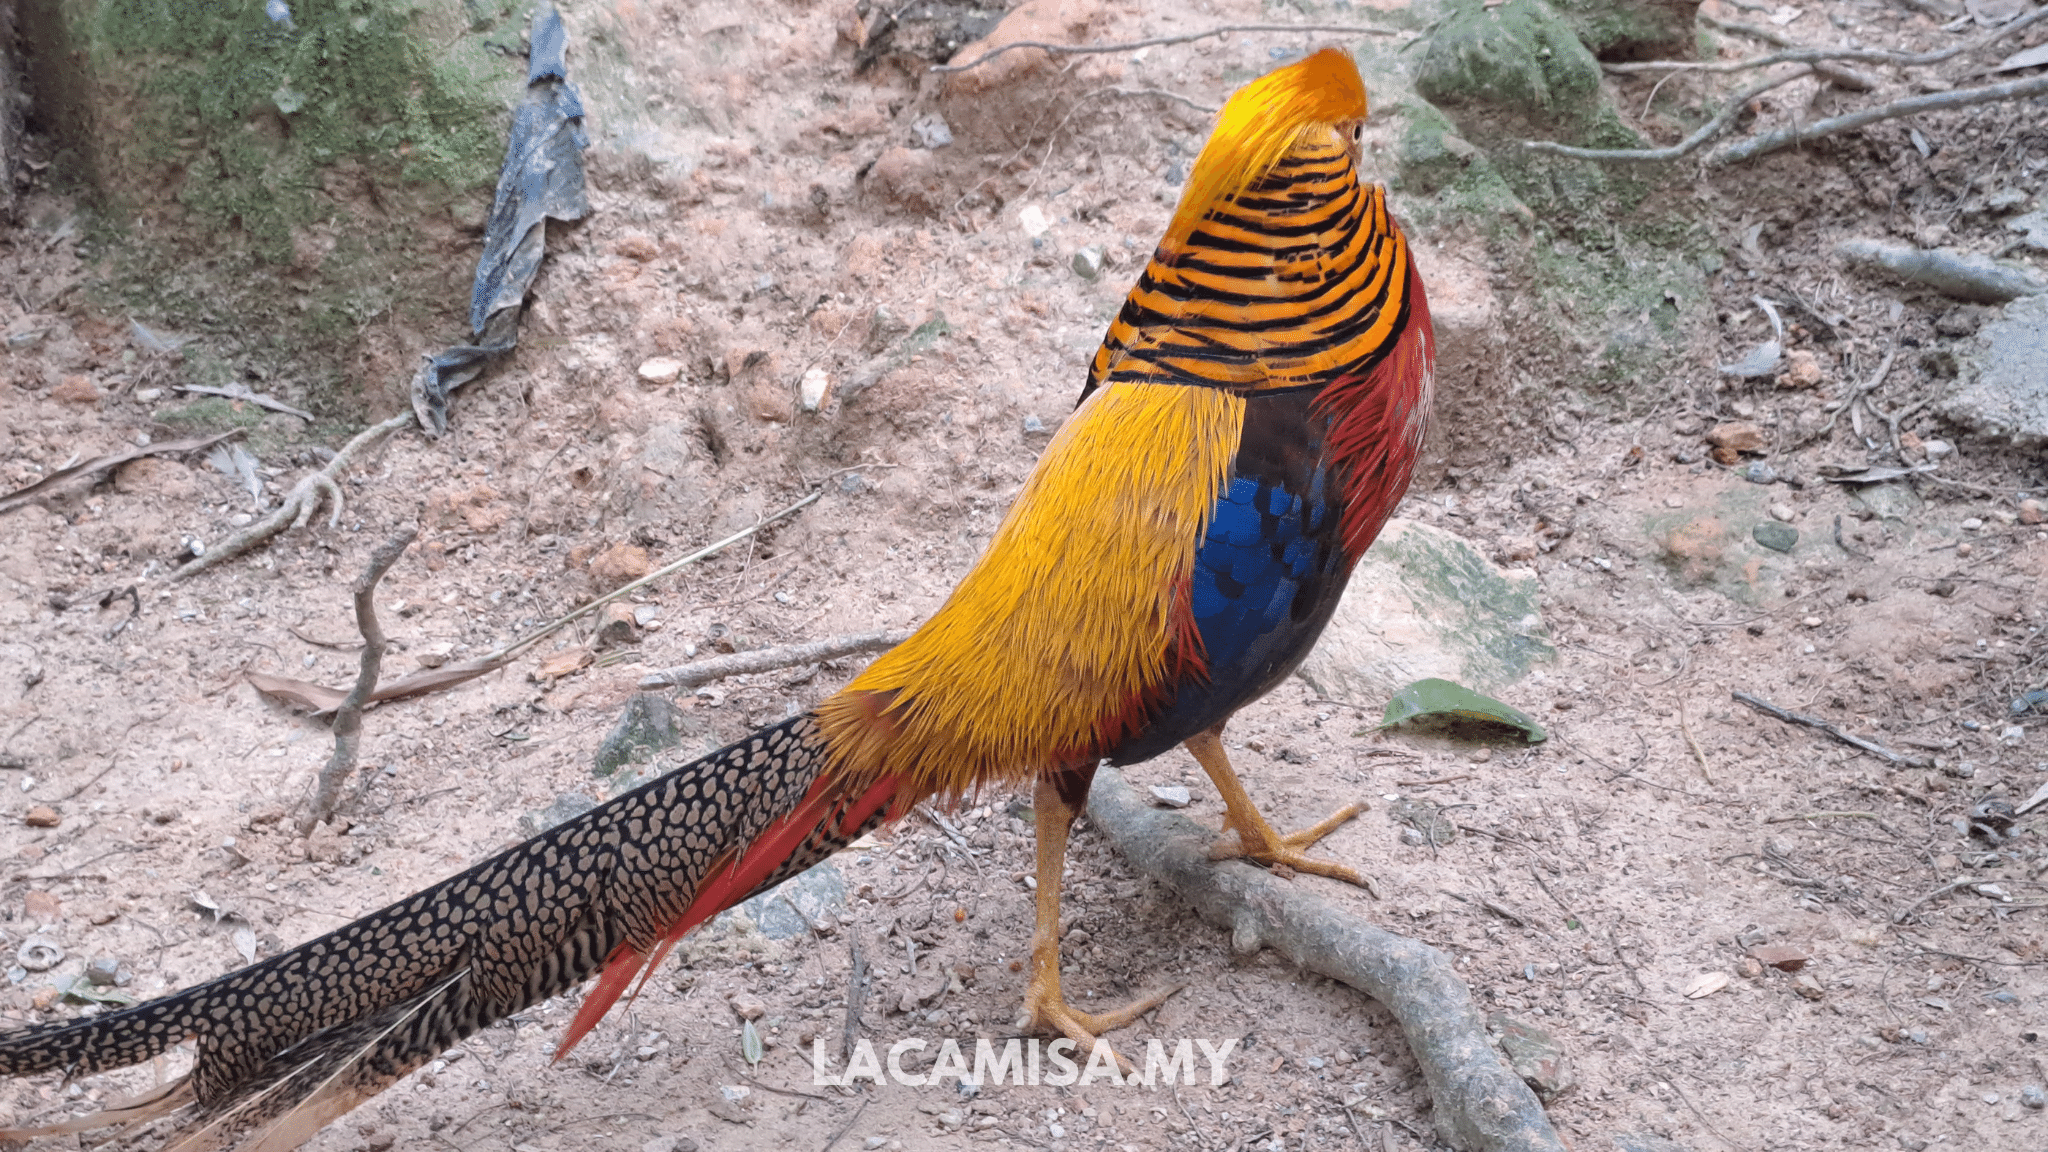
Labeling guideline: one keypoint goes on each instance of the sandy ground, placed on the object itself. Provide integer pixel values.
(1654, 841)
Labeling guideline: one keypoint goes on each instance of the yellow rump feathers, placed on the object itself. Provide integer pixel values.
(1261, 124)
(1050, 648)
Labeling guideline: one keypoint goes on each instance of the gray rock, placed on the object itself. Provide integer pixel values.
(649, 726)
(2033, 1097)
(2035, 225)
(1171, 795)
(104, 971)
(2004, 377)
(567, 806)
(820, 892)
(1087, 263)
(1426, 603)
(1534, 1056)
(1775, 536)
(1963, 275)
(931, 131)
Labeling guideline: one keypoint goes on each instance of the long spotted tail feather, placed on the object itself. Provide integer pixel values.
(288, 1044)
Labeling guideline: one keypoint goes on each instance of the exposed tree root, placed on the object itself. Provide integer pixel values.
(1480, 1104)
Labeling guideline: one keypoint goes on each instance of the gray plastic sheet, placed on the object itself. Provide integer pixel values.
(542, 180)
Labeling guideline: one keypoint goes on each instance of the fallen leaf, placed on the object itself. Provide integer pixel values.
(20, 496)
(1706, 984)
(322, 699)
(564, 662)
(1434, 697)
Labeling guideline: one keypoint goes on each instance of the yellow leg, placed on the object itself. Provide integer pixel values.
(1045, 1007)
(1245, 831)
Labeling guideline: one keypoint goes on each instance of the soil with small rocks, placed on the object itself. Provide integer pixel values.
(1665, 833)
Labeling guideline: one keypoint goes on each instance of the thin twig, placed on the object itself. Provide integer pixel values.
(1912, 105)
(1884, 368)
(1690, 144)
(856, 995)
(1161, 41)
(256, 398)
(1938, 893)
(1685, 726)
(770, 659)
(1824, 816)
(1814, 722)
(299, 503)
(848, 1126)
(348, 719)
(1801, 55)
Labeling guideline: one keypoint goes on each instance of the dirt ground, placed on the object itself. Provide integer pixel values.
(1663, 832)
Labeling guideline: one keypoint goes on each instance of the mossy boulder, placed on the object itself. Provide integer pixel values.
(1519, 59)
(283, 174)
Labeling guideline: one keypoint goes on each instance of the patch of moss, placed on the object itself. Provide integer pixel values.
(1519, 57)
(252, 112)
(212, 414)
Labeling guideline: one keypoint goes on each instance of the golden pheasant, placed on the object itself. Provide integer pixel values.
(1248, 426)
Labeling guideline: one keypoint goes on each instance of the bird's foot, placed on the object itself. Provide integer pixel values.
(1272, 849)
(1050, 1012)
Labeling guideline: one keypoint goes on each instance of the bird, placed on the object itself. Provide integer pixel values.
(1252, 418)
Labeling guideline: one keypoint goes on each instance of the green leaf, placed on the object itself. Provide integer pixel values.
(1443, 698)
(86, 990)
(750, 1043)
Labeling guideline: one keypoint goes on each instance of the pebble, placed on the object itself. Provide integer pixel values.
(1972, 524)
(811, 392)
(1937, 449)
(2032, 511)
(1964, 549)
(1673, 502)
(1087, 263)
(1032, 219)
(241, 519)
(1171, 795)
(2033, 1097)
(875, 1141)
(2013, 736)
(748, 1006)
(1759, 472)
(104, 971)
(1775, 536)
(1482, 755)
(149, 395)
(1413, 838)
(1033, 424)
(1782, 512)
(1989, 1097)
(1812, 621)
(661, 370)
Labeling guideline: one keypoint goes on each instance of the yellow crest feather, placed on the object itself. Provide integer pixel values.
(1261, 123)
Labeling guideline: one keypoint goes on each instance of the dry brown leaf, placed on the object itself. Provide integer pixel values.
(20, 496)
(322, 699)
(305, 693)
(564, 662)
(1706, 984)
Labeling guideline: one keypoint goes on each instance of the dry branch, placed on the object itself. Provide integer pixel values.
(1480, 1104)
(348, 719)
(1692, 143)
(1161, 41)
(300, 503)
(770, 659)
(1912, 105)
(1816, 723)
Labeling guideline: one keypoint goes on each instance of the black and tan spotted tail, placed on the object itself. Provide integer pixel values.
(288, 1044)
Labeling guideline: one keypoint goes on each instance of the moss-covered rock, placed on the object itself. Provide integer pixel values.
(1633, 29)
(285, 173)
(1519, 59)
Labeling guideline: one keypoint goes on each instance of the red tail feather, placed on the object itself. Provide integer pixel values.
(730, 883)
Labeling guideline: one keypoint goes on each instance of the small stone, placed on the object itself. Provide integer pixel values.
(1989, 1097)
(42, 816)
(103, 971)
(1783, 957)
(76, 389)
(1315, 1063)
(2033, 1097)
(2032, 511)
(2013, 736)
(1052, 1129)
(874, 1142)
(931, 131)
(1413, 838)
(1087, 263)
(1808, 987)
(1737, 436)
(1782, 512)
(748, 1006)
(1802, 370)
(811, 392)
(1482, 755)
(1759, 472)
(1812, 621)
(1032, 219)
(1033, 424)
(1964, 549)
(619, 564)
(1534, 1056)
(1171, 796)
(616, 625)
(1775, 536)
(149, 395)
(1972, 524)
(1749, 967)
(661, 370)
